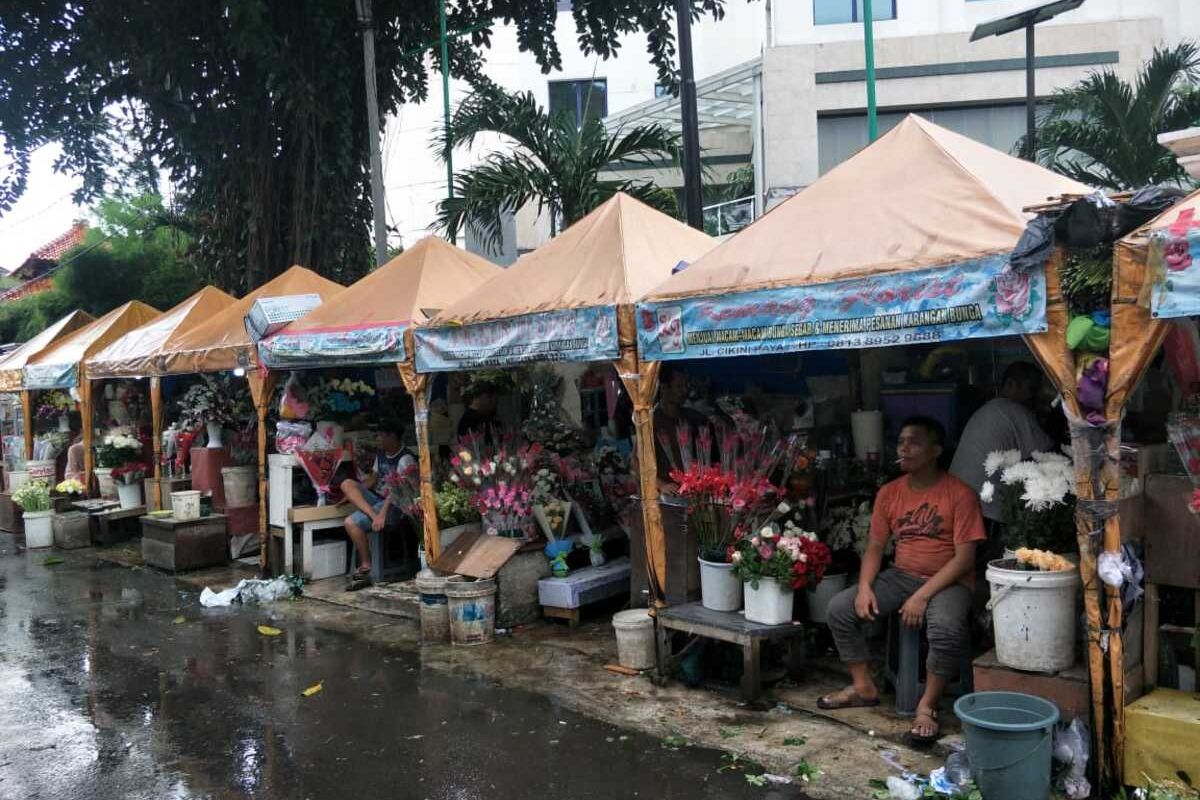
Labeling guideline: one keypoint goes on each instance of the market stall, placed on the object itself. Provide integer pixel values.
(568, 301)
(137, 355)
(369, 324)
(63, 366)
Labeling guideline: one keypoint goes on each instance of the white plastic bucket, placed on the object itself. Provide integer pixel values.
(769, 604)
(39, 528)
(472, 611)
(16, 479)
(130, 494)
(41, 470)
(435, 606)
(105, 482)
(635, 638)
(241, 485)
(818, 598)
(720, 589)
(186, 504)
(1033, 615)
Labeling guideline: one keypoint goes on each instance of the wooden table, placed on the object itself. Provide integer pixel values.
(109, 522)
(727, 626)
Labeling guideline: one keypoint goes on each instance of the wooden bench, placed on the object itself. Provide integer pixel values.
(109, 523)
(727, 626)
(308, 519)
(561, 598)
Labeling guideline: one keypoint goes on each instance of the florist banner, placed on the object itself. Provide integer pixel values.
(577, 334)
(383, 344)
(51, 376)
(970, 300)
(1175, 264)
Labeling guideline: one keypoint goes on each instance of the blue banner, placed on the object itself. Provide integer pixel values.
(577, 334)
(969, 300)
(383, 344)
(51, 376)
(1175, 267)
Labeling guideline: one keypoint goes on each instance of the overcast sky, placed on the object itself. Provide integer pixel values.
(43, 213)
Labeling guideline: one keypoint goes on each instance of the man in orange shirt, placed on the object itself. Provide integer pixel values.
(936, 522)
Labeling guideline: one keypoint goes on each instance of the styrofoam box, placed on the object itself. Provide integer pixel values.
(587, 585)
(269, 314)
(329, 559)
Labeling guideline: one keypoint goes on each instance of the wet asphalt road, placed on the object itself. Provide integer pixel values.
(104, 693)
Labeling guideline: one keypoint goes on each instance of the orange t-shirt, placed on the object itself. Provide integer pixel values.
(927, 524)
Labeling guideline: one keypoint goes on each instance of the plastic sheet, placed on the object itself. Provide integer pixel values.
(1146, 204)
(252, 590)
(1088, 222)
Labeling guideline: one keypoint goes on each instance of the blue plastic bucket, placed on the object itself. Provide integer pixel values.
(1010, 741)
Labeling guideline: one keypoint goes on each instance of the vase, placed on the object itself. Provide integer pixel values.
(64, 424)
(39, 528)
(818, 599)
(770, 603)
(720, 589)
(214, 434)
(105, 482)
(130, 494)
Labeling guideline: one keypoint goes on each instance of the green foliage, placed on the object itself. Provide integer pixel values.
(33, 497)
(1086, 275)
(256, 108)
(1103, 131)
(454, 506)
(555, 166)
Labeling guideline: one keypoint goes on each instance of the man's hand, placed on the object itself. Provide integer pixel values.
(913, 610)
(865, 604)
(378, 522)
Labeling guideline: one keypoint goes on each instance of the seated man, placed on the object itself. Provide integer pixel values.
(936, 522)
(373, 499)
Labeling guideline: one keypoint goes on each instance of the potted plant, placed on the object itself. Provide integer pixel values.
(65, 493)
(550, 509)
(34, 500)
(56, 406)
(211, 403)
(128, 478)
(119, 447)
(775, 560)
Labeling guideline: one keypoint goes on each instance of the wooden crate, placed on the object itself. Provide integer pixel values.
(158, 491)
(682, 548)
(178, 545)
(72, 530)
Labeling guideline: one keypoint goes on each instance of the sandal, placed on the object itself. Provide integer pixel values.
(359, 580)
(847, 698)
(920, 740)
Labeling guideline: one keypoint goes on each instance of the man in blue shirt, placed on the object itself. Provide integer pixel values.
(373, 499)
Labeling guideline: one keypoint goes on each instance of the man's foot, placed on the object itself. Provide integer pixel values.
(925, 729)
(848, 698)
(361, 579)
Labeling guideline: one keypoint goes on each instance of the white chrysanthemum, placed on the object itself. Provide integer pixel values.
(783, 508)
(999, 459)
(987, 492)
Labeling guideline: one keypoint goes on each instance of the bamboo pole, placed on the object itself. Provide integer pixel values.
(262, 383)
(156, 426)
(418, 386)
(27, 419)
(88, 430)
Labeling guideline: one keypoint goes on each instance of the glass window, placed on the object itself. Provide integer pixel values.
(564, 5)
(834, 12)
(581, 100)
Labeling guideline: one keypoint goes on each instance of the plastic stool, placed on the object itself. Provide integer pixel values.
(386, 563)
(904, 667)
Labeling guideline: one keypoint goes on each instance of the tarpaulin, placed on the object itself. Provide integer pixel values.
(57, 367)
(969, 300)
(12, 366)
(365, 323)
(1174, 260)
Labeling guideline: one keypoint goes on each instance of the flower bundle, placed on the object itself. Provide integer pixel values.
(339, 399)
(120, 446)
(545, 422)
(69, 487)
(33, 497)
(782, 551)
(500, 481)
(54, 404)
(454, 506)
(405, 487)
(850, 527)
(131, 472)
(1194, 503)
(1037, 497)
(216, 399)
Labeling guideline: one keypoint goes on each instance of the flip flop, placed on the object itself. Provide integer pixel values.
(359, 580)
(918, 740)
(852, 700)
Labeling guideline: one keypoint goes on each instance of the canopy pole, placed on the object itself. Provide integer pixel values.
(418, 387)
(27, 427)
(87, 423)
(156, 426)
(262, 383)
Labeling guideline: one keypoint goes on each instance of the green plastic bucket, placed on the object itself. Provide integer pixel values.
(1010, 741)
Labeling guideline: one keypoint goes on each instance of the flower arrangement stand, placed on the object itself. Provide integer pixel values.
(177, 545)
(728, 626)
(562, 598)
(206, 473)
(111, 524)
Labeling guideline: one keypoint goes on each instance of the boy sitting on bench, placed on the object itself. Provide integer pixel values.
(375, 512)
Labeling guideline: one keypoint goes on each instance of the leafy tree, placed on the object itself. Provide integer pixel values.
(256, 108)
(1103, 131)
(556, 165)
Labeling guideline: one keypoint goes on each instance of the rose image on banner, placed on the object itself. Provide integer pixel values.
(1172, 258)
(1013, 294)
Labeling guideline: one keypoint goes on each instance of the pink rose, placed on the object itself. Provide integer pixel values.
(765, 552)
(1012, 292)
(1177, 254)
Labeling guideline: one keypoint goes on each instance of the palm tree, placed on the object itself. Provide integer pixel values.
(1104, 132)
(554, 164)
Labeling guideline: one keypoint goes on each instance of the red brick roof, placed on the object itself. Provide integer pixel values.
(49, 253)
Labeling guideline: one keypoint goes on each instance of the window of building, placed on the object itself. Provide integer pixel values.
(661, 90)
(582, 100)
(834, 12)
(564, 5)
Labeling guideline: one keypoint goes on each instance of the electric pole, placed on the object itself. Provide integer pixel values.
(366, 23)
(693, 197)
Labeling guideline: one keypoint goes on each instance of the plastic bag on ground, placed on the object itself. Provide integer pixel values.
(252, 590)
(1071, 749)
(900, 789)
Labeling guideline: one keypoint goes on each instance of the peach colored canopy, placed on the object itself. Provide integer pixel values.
(58, 365)
(919, 197)
(222, 342)
(13, 364)
(136, 353)
(365, 322)
(610, 257)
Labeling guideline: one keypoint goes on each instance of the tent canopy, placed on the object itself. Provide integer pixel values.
(12, 366)
(222, 343)
(58, 366)
(365, 323)
(610, 257)
(135, 353)
(919, 197)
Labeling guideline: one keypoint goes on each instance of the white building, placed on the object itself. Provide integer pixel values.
(782, 85)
